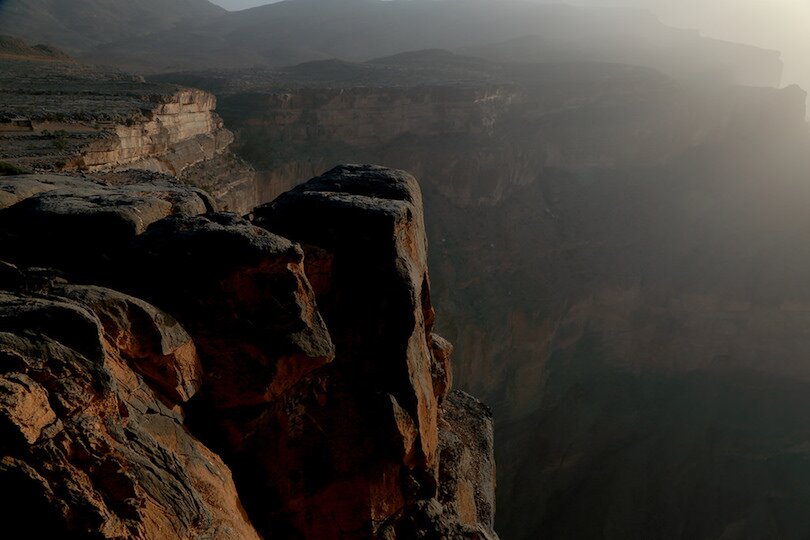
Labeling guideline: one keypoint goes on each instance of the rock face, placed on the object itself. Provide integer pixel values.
(466, 465)
(179, 346)
(476, 142)
(371, 283)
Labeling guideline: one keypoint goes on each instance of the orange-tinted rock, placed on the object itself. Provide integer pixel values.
(378, 311)
(24, 406)
(324, 441)
(467, 464)
(152, 341)
(97, 453)
(441, 369)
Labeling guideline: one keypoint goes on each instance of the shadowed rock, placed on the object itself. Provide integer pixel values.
(467, 464)
(153, 343)
(378, 308)
(242, 294)
(361, 433)
(325, 440)
(78, 225)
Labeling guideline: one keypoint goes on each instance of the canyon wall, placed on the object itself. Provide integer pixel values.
(171, 371)
(60, 116)
(619, 264)
(475, 144)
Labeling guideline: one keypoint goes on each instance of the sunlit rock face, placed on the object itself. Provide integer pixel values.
(93, 384)
(174, 371)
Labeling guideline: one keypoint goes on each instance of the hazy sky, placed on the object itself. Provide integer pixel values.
(783, 25)
(240, 4)
(777, 24)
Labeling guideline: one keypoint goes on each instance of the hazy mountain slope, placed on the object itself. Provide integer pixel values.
(297, 31)
(11, 47)
(81, 24)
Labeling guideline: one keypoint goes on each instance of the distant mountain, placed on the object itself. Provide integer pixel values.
(79, 25)
(678, 53)
(11, 47)
(193, 35)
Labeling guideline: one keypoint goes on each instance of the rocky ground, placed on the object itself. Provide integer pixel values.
(170, 371)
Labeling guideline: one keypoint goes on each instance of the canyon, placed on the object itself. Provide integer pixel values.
(198, 321)
(58, 115)
(613, 257)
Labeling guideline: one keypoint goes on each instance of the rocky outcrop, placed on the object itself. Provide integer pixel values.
(370, 278)
(155, 348)
(466, 465)
(63, 116)
(178, 131)
(93, 441)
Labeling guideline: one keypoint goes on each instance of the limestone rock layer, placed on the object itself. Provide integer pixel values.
(170, 371)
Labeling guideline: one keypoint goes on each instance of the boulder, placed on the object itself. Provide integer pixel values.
(152, 341)
(78, 225)
(242, 294)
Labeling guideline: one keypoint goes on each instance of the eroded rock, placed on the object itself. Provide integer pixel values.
(369, 273)
(301, 351)
(99, 453)
(242, 294)
(467, 464)
(152, 341)
(79, 225)
(378, 305)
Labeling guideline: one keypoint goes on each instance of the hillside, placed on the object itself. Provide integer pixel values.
(77, 25)
(180, 36)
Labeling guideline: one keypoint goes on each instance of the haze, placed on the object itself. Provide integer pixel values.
(772, 24)
(235, 5)
(567, 296)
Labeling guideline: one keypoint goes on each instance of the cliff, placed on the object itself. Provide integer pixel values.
(58, 115)
(476, 141)
(174, 371)
(617, 259)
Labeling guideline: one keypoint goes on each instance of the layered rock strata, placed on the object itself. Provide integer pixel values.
(155, 348)
(50, 121)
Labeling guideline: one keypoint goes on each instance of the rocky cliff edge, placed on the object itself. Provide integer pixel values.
(169, 371)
